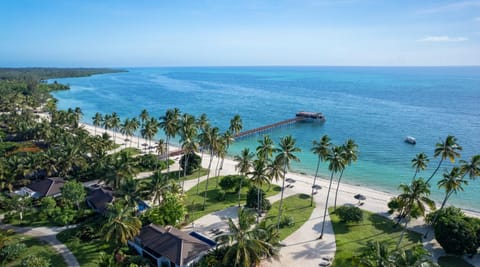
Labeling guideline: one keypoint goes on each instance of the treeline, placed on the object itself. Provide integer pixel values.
(41, 74)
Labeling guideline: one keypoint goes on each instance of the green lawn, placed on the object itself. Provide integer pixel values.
(38, 248)
(297, 206)
(197, 173)
(351, 236)
(87, 253)
(194, 201)
(453, 261)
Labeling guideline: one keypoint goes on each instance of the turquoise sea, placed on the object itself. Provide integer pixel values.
(376, 106)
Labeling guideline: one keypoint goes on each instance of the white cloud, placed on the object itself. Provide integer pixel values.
(443, 38)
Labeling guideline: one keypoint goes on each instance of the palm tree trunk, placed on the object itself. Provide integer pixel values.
(401, 235)
(447, 196)
(281, 196)
(168, 155)
(414, 175)
(184, 171)
(434, 172)
(198, 176)
(239, 191)
(336, 191)
(326, 206)
(206, 184)
(314, 181)
(216, 168)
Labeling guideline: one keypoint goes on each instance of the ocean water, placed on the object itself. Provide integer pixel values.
(376, 106)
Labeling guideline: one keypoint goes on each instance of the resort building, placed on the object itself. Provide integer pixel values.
(168, 246)
(49, 187)
(99, 198)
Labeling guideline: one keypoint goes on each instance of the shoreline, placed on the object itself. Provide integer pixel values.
(379, 197)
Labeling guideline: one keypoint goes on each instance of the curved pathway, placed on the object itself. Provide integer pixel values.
(49, 235)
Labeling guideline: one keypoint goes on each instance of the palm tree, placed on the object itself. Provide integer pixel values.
(120, 226)
(157, 187)
(130, 191)
(126, 129)
(420, 163)
(452, 182)
(321, 149)
(236, 125)
(115, 123)
(97, 121)
(212, 141)
(286, 149)
(244, 165)
(188, 133)
(169, 124)
(246, 246)
(413, 202)
(161, 147)
(336, 164)
(259, 177)
(107, 122)
(134, 124)
(227, 139)
(265, 148)
(447, 149)
(471, 168)
(350, 155)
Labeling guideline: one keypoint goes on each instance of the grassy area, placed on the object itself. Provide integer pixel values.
(194, 175)
(453, 261)
(351, 236)
(132, 151)
(87, 253)
(296, 206)
(214, 200)
(38, 248)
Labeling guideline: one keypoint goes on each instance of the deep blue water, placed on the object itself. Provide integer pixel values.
(376, 106)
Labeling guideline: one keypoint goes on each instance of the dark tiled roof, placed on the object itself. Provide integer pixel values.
(99, 198)
(172, 243)
(47, 187)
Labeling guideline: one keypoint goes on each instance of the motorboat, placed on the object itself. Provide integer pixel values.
(411, 140)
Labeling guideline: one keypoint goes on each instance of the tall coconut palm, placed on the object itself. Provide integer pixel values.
(452, 182)
(169, 124)
(236, 125)
(161, 147)
(265, 148)
(227, 139)
(157, 187)
(259, 178)
(350, 155)
(126, 129)
(420, 163)
(413, 201)
(134, 125)
(107, 122)
(121, 225)
(446, 149)
(471, 168)
(212, 140)
(202, 124)
(97, 121)
(244, 165)
(321, 149)
(188, 134)
(115, 124)
(246, 246)
(336, 164)
(286, 154)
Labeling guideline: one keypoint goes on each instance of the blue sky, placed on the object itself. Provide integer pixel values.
(231, 32)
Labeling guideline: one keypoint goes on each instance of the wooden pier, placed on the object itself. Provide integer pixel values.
(299, 116)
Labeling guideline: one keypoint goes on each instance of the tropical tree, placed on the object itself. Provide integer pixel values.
(413, 202)
(236, 125)
(244, 165)
(446, 149)
(471, 168)
(127, 130)
(115, 124)
(378, 254)
(265, 148)
(73, 192)
(169, 124)
(120, 226)
(211, 138)
(321, 149)
(420, 163)
(97, 121)
(350, 155)
(246, 246)
(107, 122)
(286, 154)
(259, 178)
(336, 164)
(157, 187)
(188, 133)
(452, 183)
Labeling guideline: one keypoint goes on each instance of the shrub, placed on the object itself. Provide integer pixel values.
(252, 199)
(148, 162)
(349, 214)
(221, 195)
(193, 163)
(64, 216)
(87, 232)
(11, 252)
(456, 235)
(35, 261)
(287, 221)
(231, 182)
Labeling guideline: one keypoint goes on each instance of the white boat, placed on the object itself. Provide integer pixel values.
(410, 140)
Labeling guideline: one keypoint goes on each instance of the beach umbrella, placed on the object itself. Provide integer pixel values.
(360, 197)
(290, 180)
(316, 187)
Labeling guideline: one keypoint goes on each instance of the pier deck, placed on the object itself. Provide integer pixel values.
(268, 127)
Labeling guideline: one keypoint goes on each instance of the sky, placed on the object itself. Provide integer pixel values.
(141, 33)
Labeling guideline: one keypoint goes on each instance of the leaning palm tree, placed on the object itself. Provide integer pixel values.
(336, 164)
(471, 168)
(350, 155)
(115, 124)
(212, 138)
(413, 201)
(97, 121)
(246, 246)
(446, 149)
(244, 165)
(169, 124)
(227, 139)
(286, 154)
(420, 163)
(321, 149)
(452, 182)
(134, 124)
(121, 225)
